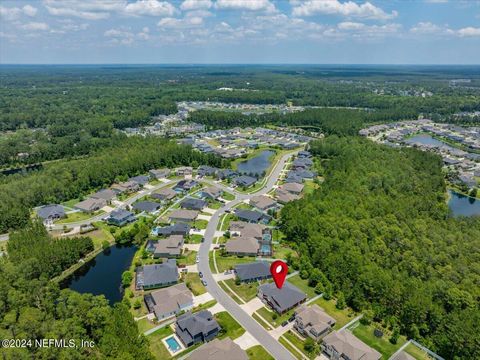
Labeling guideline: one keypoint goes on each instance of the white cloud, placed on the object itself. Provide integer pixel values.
(29, 10)
(335, 7)
(252, 5)
(360, 29)
(35, 26)
(84, 9)
(174, 23)
(468, 32)
(426, 28)
(125, 36)
(14, 13)
(188, 5)
(151, 8)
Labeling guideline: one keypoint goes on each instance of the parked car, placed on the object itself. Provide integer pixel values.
(203, 239)
(228, 211)
(285, 323)
(204, 283)
(292, 318)
(200, 274)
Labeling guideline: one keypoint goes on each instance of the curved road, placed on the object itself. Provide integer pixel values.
(255, 329)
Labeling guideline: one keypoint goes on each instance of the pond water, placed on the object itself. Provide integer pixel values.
(425, 139)
(103, 274)
(257, 164)
(462, 205)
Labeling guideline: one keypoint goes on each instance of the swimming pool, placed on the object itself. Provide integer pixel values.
(173, 344)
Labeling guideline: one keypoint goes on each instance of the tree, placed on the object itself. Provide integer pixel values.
(127, 278)
(310, 346)
(340, 301)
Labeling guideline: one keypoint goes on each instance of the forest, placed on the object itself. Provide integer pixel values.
(380, 234)
(69, 179)
(33, 307)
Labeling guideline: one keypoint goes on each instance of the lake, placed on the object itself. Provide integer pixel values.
(425, 139)
(257, 164)
(462, 205)
(103, 274)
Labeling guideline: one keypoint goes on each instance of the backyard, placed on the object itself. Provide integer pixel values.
(342, 317)
(230, 327)
(229, 262)
(302, 285)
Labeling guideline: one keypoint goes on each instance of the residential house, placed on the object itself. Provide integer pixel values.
(216, 349)
(126, 187)
(205, 170)
(169, 247)
(244, 181)
(313, 321)
(339, 345)
(242, 246)
(120, 217)
(185, 185)
(292, 188)
(193, 204)
(169, 301)
(292, 177)
(212, 193)
(255, 271)
(263, 203)
(281, 300)
(90, 205)
(156, 275)
(252, 216)
(184, 171)
(141, 180)
(159, 173)
(225, 174)
(146, 206)
(301, 163)
(183, 215)
(304, 154)
(51, 212)
(284, 197)
(174, 229)
(165, 194)
(107, 194)
(195, 328)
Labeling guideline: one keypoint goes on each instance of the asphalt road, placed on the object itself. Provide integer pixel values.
(277, 350)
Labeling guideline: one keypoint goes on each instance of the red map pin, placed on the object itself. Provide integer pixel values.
(279, 271)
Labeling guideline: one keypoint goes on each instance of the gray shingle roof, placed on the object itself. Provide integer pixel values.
(51, 211)
(157, 274)
(284, 298)
(259, 269)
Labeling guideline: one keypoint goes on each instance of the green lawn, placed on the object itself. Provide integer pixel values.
(195, 239)
(187, 258)
(310, 186)
(211, 254)
(144, 325)
(225, 222)
(215, 205)
(383, 345)
(230, 327)
(228, 262)
(273, 318)
(295, 352)
(77, 216)
(416, 352)
(228, 196)
(281, 251)
(257, 352)
(204, 306)
(302, 285)
(261, 322)
(71, 203)
(201, 224)
(246, 291)
(193, 282)
(156, 346)
(295, 340)
(227, 290)
(341, 316)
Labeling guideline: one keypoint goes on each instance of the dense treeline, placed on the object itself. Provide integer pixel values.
(330, 121)
(379, 234)
(34, 308)
(63, 180)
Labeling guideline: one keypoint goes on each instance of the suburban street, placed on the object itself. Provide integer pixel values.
(277, 350)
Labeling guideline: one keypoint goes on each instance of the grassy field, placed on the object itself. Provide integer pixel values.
(258, 352)
(225, 222)
(230, 327)
(341, 316)
(295, 340)
(295, 352)
(383, 345)
(211, 254)
(310, 186)
(228, 262)
(261, 322)
(195, 239)
(201, 224)
(187, 258)
(77, 216)
(156, 346)
(246, 291)
(144, 325)
(204, 306)
(302, 285)
(215, 205)
(273, 318)
(416, 352)
(71, 203)
(281, 251)
(193, 282)
(229, 292)
(228, 196)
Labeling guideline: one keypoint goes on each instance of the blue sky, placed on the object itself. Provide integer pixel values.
(240, 31)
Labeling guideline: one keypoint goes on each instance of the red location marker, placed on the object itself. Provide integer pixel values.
(279, 271)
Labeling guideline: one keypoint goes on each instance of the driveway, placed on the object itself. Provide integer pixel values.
(246, 341)
(279, 331)
(202, 299)
(252, 306)
(204, 217)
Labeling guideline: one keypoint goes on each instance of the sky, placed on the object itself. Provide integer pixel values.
(240, 32)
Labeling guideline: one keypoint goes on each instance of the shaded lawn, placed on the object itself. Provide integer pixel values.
(341, 316)
(258, 352)
(246, 291)
(302, 285)
(193, 282)
(230, 327)
(416, 352)
(273, 318)
(156, 346)
(144, 325)
(295, 340)
(229, 262)
(383, 345)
